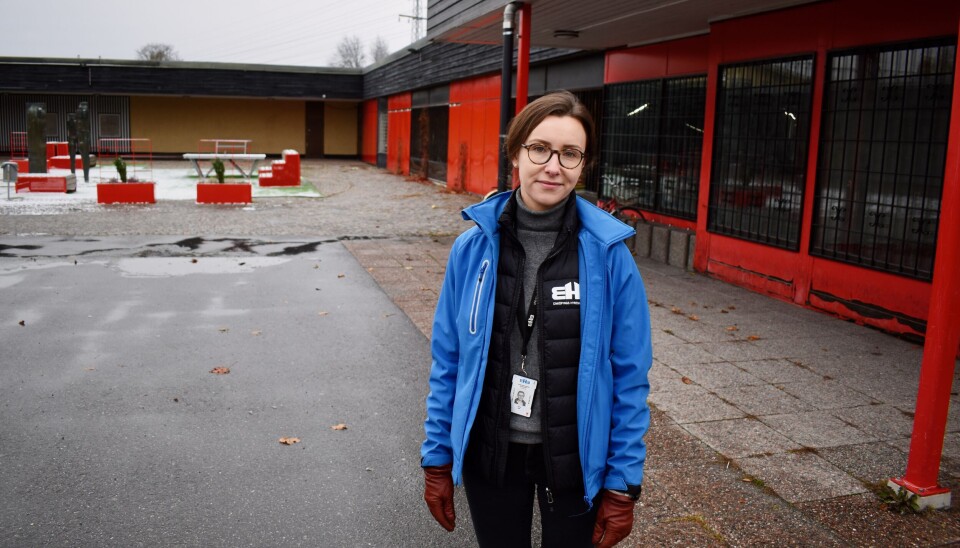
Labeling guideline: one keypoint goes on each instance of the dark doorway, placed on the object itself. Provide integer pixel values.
(314, 129)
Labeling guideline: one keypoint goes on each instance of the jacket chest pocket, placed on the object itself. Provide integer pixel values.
(477, 296)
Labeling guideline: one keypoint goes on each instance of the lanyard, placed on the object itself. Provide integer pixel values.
(526, 328)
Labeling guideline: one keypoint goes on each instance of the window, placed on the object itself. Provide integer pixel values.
(652, 143)
(883, 144)
(760, 150)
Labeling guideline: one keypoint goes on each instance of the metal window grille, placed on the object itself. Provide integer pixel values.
(652, 143)
(760, 150)
(882, 156)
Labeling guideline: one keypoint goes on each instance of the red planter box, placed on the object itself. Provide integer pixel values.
(227, 193)
(125, 193)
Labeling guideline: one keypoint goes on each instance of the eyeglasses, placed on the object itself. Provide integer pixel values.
(540, 154)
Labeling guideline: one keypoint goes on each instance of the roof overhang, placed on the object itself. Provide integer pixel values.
(603, 24)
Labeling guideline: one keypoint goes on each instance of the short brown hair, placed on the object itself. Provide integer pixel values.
(560, 103)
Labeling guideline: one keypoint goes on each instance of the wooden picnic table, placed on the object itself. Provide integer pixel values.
(196, 157)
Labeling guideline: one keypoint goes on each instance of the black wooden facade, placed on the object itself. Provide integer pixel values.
(178, 79)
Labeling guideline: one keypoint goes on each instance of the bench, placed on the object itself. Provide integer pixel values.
(196, 157)
(283, 172)
(46, 182)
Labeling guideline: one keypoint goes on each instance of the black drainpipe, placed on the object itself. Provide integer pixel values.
(506, 83)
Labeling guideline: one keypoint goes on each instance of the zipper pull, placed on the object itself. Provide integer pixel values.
(549, 498)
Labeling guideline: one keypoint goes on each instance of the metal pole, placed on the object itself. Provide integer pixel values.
(942, 337)
(506, 80)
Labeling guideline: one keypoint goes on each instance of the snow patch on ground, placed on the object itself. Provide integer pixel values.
(171, 184)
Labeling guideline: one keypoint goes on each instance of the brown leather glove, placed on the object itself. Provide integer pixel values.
(614, 519)
(438, 492)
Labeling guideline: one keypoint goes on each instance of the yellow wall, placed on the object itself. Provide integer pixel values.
(340, 128)
(176, 124)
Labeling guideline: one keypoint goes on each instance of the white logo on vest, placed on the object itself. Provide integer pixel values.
(566, 295)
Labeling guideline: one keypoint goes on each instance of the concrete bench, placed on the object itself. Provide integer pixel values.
(46, 182)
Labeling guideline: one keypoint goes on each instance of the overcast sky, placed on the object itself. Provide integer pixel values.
(279, 32)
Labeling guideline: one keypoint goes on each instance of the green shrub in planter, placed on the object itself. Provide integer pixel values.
(219, 169)
(121, 169)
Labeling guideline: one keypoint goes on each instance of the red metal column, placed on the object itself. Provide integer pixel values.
(943, 329)
(523, 58)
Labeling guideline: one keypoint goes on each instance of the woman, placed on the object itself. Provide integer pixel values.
(541, 297)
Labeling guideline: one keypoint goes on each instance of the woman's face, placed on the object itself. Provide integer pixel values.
(546, 185)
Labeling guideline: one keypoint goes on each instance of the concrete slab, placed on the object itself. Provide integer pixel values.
(873, 462)
(664, 379)
(780, 371)
(882, 421)
(762, 400)
(717, 375)
(738, 351)
(660, 244)
(643, 240)
(801, 476)
(679, 248)
(741, 437)
(694, 405)
(816, 429)
(684, 354)
(827, 394)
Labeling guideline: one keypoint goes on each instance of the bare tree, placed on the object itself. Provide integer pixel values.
(349, 53)
(157, 52)
(379, 49)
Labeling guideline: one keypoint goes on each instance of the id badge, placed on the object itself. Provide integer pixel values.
(521, 395)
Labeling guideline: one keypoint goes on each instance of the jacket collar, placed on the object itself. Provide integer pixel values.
(603, 226)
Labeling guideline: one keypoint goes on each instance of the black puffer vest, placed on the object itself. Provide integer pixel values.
(558, 324)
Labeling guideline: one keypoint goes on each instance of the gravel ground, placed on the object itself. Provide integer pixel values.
(358, 201)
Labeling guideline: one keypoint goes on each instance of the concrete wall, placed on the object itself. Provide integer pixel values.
(176, 124)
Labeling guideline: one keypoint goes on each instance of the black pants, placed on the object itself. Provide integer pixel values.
(503, 516)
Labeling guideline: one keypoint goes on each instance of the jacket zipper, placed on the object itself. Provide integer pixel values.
(477, 290)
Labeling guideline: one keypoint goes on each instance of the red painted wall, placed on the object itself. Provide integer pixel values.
(663, 60)
(368, 144)
(872, 297)
(474, 134)
(398, 133)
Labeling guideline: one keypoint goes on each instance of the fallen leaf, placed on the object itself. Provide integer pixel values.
(89, 368)
(676, 310)
(241, 264)
(370, 269)
(408, 268)
(433, 206)
(731, 308)
(22, 322)
(693, 317)
(316, 266)
(732, 328)
(193, 260)
(724, 311)
(686, 380)
(289, 441)
(224, 329)
(753, 338)
(256, 332)
(387, 315)
(220, 370)
(176, 400)
(341, 275)
(340, 426)
(322, 313)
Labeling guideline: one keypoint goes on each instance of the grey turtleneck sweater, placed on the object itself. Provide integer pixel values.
(537, 232)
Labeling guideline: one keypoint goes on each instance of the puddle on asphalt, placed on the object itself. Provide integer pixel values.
(183, 266)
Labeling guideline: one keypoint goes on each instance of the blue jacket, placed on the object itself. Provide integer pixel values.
(615, 354)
